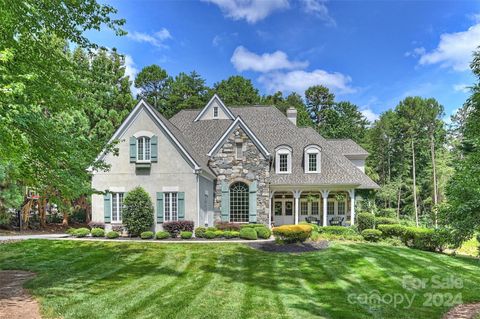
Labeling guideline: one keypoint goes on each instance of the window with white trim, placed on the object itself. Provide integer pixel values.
(170, 212)
(303, 208)
(117, 207)
(239, 201)
(283, 160)
(315, 208)
(283, 163)
(330, 207)
(143, 148)
(312, 159)
(215, 111)
(341, 208)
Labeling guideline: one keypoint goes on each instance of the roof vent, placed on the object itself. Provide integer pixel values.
(292, 115)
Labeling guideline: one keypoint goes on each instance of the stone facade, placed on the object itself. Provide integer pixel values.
(252, 166)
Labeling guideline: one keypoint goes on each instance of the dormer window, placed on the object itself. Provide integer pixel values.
(312, 159)
(215, 112)
(143, 149)
(283, 160)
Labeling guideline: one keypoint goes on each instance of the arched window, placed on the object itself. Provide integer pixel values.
(283, 160)
(239, 203)
(312, 159)
(143, 148)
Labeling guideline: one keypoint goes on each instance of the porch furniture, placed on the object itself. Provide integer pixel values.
(313, 220)
(336, 221)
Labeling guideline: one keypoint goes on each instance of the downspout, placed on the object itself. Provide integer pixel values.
(197, 190)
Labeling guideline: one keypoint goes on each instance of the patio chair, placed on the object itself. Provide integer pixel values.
(336, 221)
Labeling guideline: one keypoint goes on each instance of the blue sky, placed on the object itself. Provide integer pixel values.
(370, 53)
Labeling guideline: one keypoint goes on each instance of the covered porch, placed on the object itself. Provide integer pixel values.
(326, 207)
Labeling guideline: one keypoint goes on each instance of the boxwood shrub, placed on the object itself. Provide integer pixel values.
(251, 225)
(113, 234)
(186, 234)
(292, 233)
(385, 221)
(137, 213)
(373, 235)
(392, 231)
(200, 232)
(97, 232)
(175, 227)
(263, 232)
(71, 231)
(209, 234)
(218, 233)
(426, 238)
(231, 234)
(146, 235)
(81, 232)
(248, 233)
(337, 230)
(162, 234)
(365, 221)
(227, 226)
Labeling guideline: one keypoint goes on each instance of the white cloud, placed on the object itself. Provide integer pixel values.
(461, 87)
(216, 40)
(131, 71)
(298, 81)
(244, 60)
(319, 9)
(157, 39)
(370, 115)
(250, 10)
(454, 49)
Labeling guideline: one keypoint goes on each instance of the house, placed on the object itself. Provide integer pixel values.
(239, 164)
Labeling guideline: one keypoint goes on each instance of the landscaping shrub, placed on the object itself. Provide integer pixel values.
(325, 236)
(231, 234)
(93, 225)
(71, 231)
(387, 212)
(97, 232)
(5, 219)
(227, 226)
(373, 235)
(396, 242)
(211, 228)
(137, 214)
(385, 221)
(113, 234)
(218, 233)
(426, 238)
(209, 234)
(248, 233)
(336, 230)
(174, 228)
(186, 234)
(162, 234)
(251, 225)
(392, 231)
(200, 232)
(292, 233)
(146, 235)
(263, 232)
(314, 226)
(81, 232)
(365, 221)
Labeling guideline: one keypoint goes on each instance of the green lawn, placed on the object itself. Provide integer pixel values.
(147, 280)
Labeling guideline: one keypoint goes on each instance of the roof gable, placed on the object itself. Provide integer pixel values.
(222, 112)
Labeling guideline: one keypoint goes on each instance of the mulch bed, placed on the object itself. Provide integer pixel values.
(465, 311)
(274, 247)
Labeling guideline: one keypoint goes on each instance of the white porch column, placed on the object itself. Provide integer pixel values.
(325, 201)
(270, 210)
(296, 195)
(351, 192)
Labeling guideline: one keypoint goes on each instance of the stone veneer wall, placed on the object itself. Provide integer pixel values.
(253, 166)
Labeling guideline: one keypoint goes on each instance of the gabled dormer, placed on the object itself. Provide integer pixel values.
(215, 110)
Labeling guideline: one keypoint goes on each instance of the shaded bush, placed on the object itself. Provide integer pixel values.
(146, 235)
(292, 233)
(137, 214)
(93, 224)
(365, 221)
(372, 235)
(186, 234)
(227, 226)
(175, 227)
(218, 233)
(392, 231)
(315, 227)
(200, 232)
(231, 234)
(337, 230)
(248, 233)
(81, 232)
(71, 231)
(385, 221)
(98, 232)
(113, 234)
(209, 234)
(263, 232)
(427, 238)
(162, 234)
(387, 212)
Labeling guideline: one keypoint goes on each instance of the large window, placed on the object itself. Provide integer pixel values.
(239, 203)
(312, 159)
(117, 207)
(283, 160)
(171, 207)
(143, 148)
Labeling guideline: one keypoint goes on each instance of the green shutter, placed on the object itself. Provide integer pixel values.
(252, 203)
(133, 149)
(107, 207)
(154, 148)
(225, 205)
(159, 207)
(181, 205)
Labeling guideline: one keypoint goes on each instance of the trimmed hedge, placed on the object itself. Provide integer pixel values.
(218, 233)
(162, 234)
(112, 234)
(263, 232)
(175, 227)
(372, 235)
(146, 235)
(231, 234)
(365, 221)
(97, 232)
(200, 232)
(426, 238)
(248, 233)
(292, 233)
(227, 226)
(392, 231)
(251, 225)
(336, 230)
(81, 232)
(71, 231)
(209, 234)
(186, 234)
(385, 221)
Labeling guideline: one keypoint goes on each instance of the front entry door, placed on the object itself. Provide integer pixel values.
(283, 212)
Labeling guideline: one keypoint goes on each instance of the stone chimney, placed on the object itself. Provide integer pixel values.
(292, 115)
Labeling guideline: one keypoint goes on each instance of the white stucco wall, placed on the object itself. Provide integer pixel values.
(208, 115)
(171, 172)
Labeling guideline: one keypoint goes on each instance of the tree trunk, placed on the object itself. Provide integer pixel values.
(398, 202)
(414, 185)
(42, 214)
(435, 186)
(26, 209)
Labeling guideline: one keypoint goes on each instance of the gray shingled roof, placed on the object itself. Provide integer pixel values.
(273, 128)
(347, 147)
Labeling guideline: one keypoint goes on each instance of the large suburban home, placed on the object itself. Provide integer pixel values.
(248, 164)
